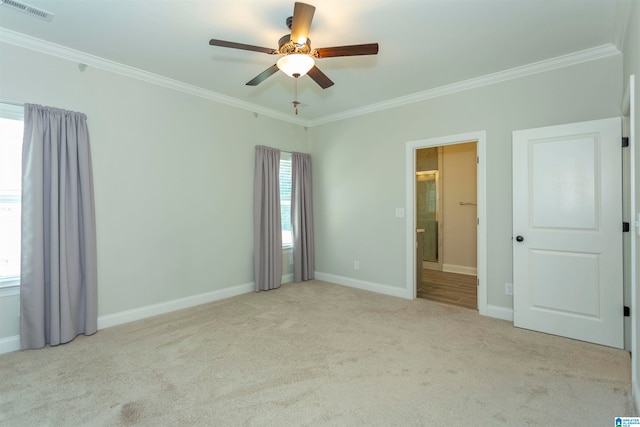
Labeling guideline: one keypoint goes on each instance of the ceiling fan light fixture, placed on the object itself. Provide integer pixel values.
(296, 56)
(296, 63)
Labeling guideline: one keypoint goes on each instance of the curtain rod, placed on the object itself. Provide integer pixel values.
(282, 151)
(292, 152)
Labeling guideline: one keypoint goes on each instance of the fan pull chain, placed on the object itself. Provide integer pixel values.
(295, 94)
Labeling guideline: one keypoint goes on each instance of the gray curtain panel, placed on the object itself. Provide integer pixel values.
(302, 217)
(267, 227)
(58, 290)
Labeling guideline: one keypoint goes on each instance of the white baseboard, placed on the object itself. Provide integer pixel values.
(166, 307)
(287, 278)
(460, 269)
(500, 312)
(9, 344)
(361, 284)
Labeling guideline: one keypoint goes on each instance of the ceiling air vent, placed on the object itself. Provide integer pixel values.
(29, 10)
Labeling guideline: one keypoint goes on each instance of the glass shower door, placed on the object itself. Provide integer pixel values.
(427, 212)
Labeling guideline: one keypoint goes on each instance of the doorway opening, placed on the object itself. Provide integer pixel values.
(446, 224)
(426, 235)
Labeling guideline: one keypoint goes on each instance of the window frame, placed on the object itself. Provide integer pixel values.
(12, 112)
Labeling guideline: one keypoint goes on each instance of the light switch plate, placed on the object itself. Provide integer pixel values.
(400, 212)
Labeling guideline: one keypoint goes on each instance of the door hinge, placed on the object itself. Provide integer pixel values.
(625, 227)
(625, 141)
(478, 159)
(627, 311)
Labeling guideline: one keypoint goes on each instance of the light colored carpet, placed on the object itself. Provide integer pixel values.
(317, 354)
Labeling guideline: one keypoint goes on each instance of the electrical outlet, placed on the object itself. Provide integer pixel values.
(508, 288)
(356, 265)
(290, 259)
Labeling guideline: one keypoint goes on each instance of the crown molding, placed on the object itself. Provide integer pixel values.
(59, 51)
(486, 80)
(11, 111)
(42, 46)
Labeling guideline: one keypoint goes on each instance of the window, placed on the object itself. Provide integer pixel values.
(285, 199)
(11, 132)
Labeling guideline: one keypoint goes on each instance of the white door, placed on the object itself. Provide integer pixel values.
(567, 231)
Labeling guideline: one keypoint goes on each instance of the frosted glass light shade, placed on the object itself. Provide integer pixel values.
(296, 63)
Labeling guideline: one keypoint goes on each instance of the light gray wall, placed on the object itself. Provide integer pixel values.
(359, 176)
(173, 172)
(173, 176)
(631, 54)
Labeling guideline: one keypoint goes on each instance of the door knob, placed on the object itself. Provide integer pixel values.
(519, 239)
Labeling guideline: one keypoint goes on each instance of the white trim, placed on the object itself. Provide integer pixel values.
(11, 111)
(498, 312)
(287, 278)
(460, 269)
(9, 290)
(28, 42)
(361, 284)
(494, 311)
(9, 344)
(628, 106)
(489, 79)
(166, 307)
(63, 52)
(634, 239)
(480, 137)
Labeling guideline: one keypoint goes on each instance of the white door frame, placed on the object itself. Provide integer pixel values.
(628, 109)
(480, 137)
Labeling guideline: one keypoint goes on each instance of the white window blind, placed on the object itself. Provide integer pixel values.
(11, 133)
(285, 199)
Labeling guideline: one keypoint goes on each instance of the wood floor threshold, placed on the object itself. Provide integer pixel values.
(449, 288)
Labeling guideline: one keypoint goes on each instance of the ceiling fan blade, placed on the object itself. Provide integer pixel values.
(233, 45)
(320, 77)
(302, 16)
(353, 50)
(263, 75)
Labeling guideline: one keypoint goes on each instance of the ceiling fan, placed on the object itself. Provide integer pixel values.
(297, 57)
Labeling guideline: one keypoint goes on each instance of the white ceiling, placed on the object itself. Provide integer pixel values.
(424, 45)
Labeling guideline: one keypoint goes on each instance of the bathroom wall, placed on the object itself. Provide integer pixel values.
(459, 223)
